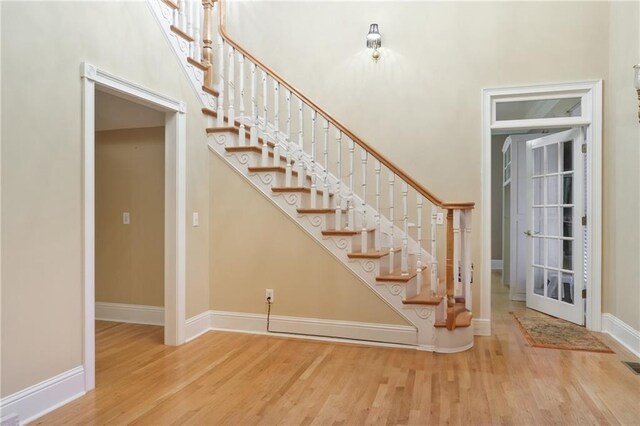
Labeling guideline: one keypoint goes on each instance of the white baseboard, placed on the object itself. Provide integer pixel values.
(136, 314)
(626, 335)
(496, 264)
(316, 329)
(481, 327)
(44, 397)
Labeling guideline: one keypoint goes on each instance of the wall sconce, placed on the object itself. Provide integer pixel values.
(636, 82)
(374, 41)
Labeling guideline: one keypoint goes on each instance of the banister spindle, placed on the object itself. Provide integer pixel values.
(467, 266)
(207, 43)
(457, 289)
(253, 132)
(338, 196)
(392, 178)
(265, 146)
(363, 233)
(197, 53)
(404, 260)
(190, 4)
(451, 320)
(434, 247)
(325, 155)
(182, 7)
(314, 167)
(242, 133)
(301, 176)
(377, 242)
(232, 88)
(288, 171)
(351, 213)
(276, 123)
(419, 202)
(220, 109)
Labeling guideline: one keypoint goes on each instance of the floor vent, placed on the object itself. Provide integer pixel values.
(633, 366)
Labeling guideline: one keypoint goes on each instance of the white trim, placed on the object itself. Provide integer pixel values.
(44, 397)
(481, 327)
(496, 264)
(591, 117)
(313, 328)
(622, 332)
(175, 204)
(135, 314)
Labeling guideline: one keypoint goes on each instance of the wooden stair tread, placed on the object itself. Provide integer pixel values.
(255, 149)
(371, 254)
(181, 33)
(304, 189)
(463, 319)
(318, 210)
(425, 298)
(235, 129)
(211, 91)
(197, 64)
(170, 3)
(343, 232)
(398, 277)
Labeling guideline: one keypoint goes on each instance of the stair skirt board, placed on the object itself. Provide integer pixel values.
(135, 314)
(311, 328)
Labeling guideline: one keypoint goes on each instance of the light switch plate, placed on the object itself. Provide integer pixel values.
(196, 219)
(125, 218)
(439, 218)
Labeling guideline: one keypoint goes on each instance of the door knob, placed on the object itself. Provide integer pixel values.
(528, 233)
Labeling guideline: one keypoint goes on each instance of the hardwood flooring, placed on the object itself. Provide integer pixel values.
(243, 379)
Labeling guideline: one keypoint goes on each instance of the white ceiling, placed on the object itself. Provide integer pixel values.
(114, 113)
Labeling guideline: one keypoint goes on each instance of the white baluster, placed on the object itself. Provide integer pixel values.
(232, 88)
(378, 245)
(314, 172)
(434, 256)
(351, 214)
(363, 233)
(338, 219)
(467, 265)
(457, 288)
(242, 134)
(253, 132)
(325, 154)
(265, 146)
(197, 23)
(182, 7)
(301, 176)
(220, 109)
(419, 202)
(190, 4)
(288, 171)
(392, 253)
(404, 265)
(276, 121)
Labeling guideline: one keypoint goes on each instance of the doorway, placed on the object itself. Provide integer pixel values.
(531, 114)
(95, 79)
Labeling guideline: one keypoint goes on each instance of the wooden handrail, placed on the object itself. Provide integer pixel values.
(384, 160)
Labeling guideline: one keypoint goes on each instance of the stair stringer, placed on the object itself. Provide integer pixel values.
(422, 317)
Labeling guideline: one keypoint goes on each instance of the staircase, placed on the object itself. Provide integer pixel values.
(372, 216)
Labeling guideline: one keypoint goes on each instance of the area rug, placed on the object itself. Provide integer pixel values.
(548, 332)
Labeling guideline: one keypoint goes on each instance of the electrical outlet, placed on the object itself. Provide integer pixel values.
(196, 219)
(268, 295)
(439, 218)
(125, 218)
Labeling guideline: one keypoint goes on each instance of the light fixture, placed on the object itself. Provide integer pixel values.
(374, 41)
(636, 82)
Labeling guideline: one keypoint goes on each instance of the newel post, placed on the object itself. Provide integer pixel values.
(207, 43)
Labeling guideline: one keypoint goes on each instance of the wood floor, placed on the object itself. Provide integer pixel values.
(243, 379)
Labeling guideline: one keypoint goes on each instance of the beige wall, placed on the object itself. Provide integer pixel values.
(42, 174)
(266, 249)
(420, 104)
(130, 178)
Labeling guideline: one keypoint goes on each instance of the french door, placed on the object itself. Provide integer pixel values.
(555, 179)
